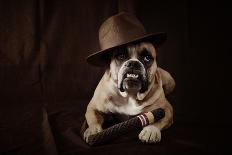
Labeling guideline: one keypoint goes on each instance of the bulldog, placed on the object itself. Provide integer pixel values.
(132, 84)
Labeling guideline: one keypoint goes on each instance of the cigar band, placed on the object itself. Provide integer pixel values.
(150, 117)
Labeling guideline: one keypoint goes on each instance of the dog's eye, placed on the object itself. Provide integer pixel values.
(147, 58)
(121, 56)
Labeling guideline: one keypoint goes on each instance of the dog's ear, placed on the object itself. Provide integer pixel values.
(167, 80)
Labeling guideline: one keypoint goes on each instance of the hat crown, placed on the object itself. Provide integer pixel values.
(120, 29)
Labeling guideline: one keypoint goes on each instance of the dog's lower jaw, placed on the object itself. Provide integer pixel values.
(128, 93)
(139, 92)
(138, 95)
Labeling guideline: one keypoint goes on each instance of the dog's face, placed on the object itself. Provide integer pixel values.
(133, 67)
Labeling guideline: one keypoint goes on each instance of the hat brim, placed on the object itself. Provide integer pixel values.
(102, 58)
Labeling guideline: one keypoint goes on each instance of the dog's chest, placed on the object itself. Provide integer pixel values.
(128, 106)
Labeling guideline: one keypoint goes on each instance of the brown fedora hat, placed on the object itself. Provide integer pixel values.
(119, 30)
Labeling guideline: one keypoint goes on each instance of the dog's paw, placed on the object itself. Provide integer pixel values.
(91, 131)
(150, 134)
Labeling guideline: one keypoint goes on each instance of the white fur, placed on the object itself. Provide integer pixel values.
(150, 134)
(129, 108)
(91, 131)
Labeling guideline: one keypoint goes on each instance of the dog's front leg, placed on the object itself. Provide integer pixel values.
(94, 120)
(152, 133)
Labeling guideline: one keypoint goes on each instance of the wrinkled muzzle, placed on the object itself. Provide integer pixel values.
(132, 77)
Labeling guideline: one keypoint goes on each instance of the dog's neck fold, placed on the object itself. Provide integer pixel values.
(156, 81)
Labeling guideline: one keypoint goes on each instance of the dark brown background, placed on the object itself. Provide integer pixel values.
(45, 83)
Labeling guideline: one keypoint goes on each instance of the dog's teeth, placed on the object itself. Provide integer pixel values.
(132, 75)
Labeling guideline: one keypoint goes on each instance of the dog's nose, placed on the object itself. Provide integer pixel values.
(133, 64)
